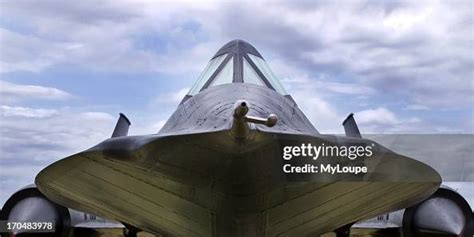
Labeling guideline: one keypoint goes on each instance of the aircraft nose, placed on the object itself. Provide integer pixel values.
(419, 179)
(398, 168)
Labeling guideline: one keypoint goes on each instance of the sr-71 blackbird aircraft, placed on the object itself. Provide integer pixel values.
(216, 166)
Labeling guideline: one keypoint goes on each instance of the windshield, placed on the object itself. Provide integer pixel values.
(251, 76)
(208, 71)
(267, 72)
(237, 68)
(225, 75)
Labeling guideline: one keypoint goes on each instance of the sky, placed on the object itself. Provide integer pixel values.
(68, 69)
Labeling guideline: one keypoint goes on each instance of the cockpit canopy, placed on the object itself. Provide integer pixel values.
(237, 62)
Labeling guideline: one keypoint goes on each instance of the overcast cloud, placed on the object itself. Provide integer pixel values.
(68, 69)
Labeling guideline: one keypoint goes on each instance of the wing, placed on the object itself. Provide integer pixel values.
(203, 185)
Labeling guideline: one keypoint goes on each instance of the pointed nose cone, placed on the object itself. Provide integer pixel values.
(411, 181)
(393, 167)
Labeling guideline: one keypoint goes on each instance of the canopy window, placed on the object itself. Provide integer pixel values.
(237, 62)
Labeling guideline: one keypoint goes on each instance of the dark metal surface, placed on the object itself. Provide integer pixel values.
(121, 128)
(350, 127)
(211, 110)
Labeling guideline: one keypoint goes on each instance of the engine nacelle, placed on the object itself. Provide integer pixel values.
(445, 213)
(29, 205)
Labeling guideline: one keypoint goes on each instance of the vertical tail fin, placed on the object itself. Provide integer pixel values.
(121, 128)
(350, 126)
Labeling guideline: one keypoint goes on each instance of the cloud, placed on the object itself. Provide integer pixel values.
(390, 49)
(384, 121)
(171, 98)
(319, 110)
(8, 111)
(30, 139)
(382, 46)
(345, 88)
(14, 177)
(323, 85)
(417, 107)
(150, 126)
(321, 113)
(145, 36)
(97, 116)
(11, 92)
(376, 116)
(319, 100)
(360, 48)
(62, 132)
